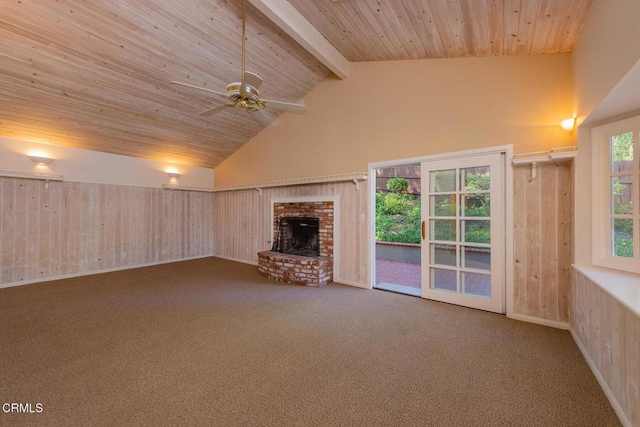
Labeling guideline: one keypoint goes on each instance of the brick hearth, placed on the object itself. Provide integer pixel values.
(296, 269)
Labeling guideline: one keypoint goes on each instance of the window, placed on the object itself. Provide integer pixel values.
(616, 194)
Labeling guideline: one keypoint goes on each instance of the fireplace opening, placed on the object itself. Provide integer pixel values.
(298, 236)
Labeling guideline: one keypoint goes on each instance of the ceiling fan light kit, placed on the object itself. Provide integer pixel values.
(245, 95)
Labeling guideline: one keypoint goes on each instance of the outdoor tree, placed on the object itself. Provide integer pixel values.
(397, 185)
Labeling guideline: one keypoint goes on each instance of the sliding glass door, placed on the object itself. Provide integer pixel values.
(462, 231)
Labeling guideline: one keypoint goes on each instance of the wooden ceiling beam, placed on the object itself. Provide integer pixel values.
(298, 28)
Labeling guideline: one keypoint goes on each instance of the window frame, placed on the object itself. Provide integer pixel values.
(601, 200)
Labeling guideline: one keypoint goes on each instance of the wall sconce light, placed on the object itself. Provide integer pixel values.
(568, 124)
(173, 175)
(41, 160)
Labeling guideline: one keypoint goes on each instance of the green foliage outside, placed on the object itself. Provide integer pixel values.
(623, 146)
(398, 214)
(397, 218)
(622, 151)
(624, 246)
(397, 185)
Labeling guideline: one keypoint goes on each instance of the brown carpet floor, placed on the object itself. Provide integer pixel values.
(209, 342)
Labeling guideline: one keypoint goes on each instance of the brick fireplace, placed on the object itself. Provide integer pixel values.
(298, 269)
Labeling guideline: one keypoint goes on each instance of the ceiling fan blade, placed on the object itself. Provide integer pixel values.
(199, 88)
(252, 79)
(260, 117)
(213, 111)
(285, 106)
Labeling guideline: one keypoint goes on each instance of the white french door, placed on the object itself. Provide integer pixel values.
(463, 254)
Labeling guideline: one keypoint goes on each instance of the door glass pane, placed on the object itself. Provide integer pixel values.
(443, 254)
(444, 280)
(476, 231)
(443, 229)
(443, 181)
(474, 179)
(622, 238)
(443, 205)
(621, 193)
(476, 284)
(476, 204)
(478, 258)
(622, 152)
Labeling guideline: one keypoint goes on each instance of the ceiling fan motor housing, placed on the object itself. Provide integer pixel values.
(249, 92)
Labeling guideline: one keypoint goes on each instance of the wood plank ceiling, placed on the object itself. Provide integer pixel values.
(384, 30)
(95, 74)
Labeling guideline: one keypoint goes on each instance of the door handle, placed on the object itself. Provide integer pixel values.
(424, 230)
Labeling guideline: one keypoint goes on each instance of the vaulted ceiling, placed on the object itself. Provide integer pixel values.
(96, 74)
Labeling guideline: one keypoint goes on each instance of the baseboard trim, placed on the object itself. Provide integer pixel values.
(544, 322)
(603, 383)
(355, 284)
(243, 261)
(92, 272)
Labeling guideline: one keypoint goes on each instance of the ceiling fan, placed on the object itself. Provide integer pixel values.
(244, 94)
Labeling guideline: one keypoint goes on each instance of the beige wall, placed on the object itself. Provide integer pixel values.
(604, 56)
(394, 110)
(606, 50)
(102, 168)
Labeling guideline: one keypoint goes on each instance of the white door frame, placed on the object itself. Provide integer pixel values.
(507, 152)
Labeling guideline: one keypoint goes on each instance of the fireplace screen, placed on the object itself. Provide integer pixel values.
(298, 236)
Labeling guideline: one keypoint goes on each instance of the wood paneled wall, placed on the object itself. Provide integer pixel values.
(71, 228)
(542, 240)
(243, 224)
(598, 320)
